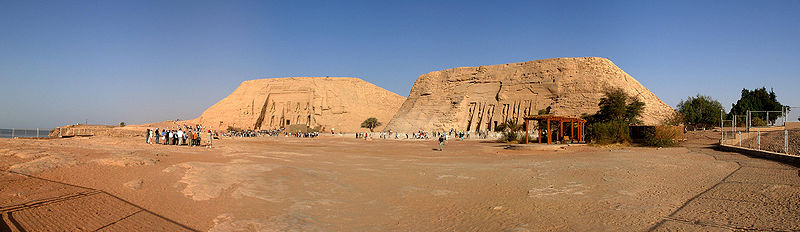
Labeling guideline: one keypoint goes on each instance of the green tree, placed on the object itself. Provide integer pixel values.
(757, 100)
(122, 124)
(370, 124)
(700, 111)
(617, 111)
(616, 105)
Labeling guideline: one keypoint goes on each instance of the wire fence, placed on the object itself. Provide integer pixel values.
(25, 132)
(782, 139)
(759, 131)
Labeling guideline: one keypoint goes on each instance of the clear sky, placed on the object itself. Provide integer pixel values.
(63, 62)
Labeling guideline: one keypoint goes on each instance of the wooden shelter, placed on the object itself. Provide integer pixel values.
(576, 133)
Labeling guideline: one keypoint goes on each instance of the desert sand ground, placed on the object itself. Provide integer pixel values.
(341, 184)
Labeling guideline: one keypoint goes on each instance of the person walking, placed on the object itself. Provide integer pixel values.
(158, 135)
(441, 142)
(209, 138)
(149, 133)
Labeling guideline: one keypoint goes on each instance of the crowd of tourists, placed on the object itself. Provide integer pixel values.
(185, 135)
(273, 132)
(193, 135)
(304, 135)
(425, 135)
(243, 133)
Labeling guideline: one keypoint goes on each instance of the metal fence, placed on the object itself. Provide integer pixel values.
(778, 140)
(24, 132)
(781, 136)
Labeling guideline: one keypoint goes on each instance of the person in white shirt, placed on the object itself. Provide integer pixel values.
(180, 137)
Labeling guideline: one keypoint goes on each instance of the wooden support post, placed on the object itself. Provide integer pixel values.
(583, 132)
(539, 139)
(560, 131)
(548, 132)
(571, 131)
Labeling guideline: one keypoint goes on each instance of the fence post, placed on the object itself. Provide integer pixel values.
(740, 139)
(759, 140)
(786, 141)
(721, 127)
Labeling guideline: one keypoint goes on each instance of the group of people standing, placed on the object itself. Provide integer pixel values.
(187, 135)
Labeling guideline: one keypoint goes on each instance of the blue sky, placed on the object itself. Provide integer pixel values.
(64, 62)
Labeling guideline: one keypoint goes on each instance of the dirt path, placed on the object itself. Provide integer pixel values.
(759, 195)
(51, 205)
(342, 184)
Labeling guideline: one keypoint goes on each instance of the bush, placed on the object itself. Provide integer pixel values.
(609, 132)
(663, 136)
(510, 125)
(122, 124)
(756, 121)
(510, 136)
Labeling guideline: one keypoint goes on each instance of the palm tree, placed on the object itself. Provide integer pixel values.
(509, 129)
(510, 125)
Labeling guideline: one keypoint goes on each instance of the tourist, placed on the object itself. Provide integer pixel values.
(181, 138)
(441, 141)
(158, 135)
(209, 138)
(149, 133)
(199, 135)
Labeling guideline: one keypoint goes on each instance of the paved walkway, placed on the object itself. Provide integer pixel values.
(30, 203)
(760, 195)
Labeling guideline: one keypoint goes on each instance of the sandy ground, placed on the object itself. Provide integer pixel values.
(343, 184)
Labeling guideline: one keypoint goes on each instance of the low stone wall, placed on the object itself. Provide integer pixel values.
(71, 131)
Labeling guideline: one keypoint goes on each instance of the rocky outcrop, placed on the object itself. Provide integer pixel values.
(480, 98)
(339, 103)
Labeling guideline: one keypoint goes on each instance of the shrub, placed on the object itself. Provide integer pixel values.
(510, 136)
(510, 125)
(663, 136)
(122, 124)
(609, 132)
(756, 121)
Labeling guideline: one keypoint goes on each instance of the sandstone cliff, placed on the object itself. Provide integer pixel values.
(341, 103)
(480, 98)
